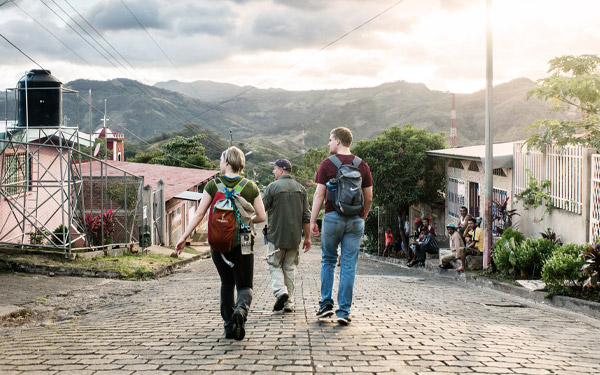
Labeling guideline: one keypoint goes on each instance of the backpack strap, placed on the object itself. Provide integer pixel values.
(220, 185)
(336, 161)
(356, 162)
(241, 185)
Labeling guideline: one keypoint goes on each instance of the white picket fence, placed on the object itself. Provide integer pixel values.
(594, 233)
(562, 166)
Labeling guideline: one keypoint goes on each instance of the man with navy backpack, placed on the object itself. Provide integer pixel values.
(345, 183)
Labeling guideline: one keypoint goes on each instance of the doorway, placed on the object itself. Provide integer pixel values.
(474, 199)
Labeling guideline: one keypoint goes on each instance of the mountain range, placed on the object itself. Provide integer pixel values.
(278, 116)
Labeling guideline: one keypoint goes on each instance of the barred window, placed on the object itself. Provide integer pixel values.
(456, 164)
(499, 172)
(473, 167)
(14, 179)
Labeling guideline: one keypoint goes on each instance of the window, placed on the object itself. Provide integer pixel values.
(456, 164)
(499, 172)
(456, 196)
(473, 167)
(14, 180)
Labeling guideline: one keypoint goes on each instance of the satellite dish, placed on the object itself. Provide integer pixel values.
(96, 150)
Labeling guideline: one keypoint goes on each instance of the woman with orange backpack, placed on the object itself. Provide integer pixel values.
(235, 263)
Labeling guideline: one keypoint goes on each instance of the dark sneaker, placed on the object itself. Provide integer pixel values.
(238, 325)
(281, 300)
(344, 321)
(288, 309)
(229, 334)
(325, 311)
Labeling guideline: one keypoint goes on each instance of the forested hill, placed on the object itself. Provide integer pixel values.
(369, 110)
(277, 115)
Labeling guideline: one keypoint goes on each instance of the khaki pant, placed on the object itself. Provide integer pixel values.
(282, 265)
(446, 259)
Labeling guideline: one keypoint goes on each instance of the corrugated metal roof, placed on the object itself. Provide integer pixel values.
(503, 154)
(175, 179)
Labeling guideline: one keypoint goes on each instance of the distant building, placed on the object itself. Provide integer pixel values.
(114, 142)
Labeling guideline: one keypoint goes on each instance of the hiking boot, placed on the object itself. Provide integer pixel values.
(239, 323)
(344, 321)
(325, 311)
(229, 334)
(281, 300)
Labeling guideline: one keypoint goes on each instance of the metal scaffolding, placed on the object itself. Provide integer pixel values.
(55, 195)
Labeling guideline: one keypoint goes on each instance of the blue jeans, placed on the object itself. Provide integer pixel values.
(347, 230)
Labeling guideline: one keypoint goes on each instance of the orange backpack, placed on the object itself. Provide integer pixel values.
(224, 219)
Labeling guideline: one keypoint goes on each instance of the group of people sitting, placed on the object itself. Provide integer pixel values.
(466, 238)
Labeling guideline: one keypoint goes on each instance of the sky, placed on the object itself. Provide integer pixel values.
(287, 43)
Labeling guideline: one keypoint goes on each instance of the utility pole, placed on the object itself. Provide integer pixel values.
(489, 145)
(453, 135)
(303, 150)
(230, 138)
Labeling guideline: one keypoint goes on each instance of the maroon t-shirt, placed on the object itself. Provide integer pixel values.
(328, 170)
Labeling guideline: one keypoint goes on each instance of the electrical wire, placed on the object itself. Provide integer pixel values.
(107, 42)
(23, 53)
(90, 36)
(81, 36)
(253, 87)
(159, 47)
(63, 43)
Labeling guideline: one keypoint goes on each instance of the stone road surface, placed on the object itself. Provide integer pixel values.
(403, 322)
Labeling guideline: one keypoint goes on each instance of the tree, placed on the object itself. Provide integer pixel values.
(573, 84)
(178, 152)
(402, 174)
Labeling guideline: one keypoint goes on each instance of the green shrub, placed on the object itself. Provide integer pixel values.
(504, 247)
(563, 265)
(529, 257)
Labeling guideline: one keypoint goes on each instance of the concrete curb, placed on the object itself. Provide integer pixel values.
(588, 308)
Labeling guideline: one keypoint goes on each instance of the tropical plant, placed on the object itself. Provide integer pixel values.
(529, 257)
(402, 173)
(504, 215)
(552, 236)
(101, 226)
(572, 85)
(38, 236)
(536, 194)
(60, 233)
(563, 267)
(590, 270)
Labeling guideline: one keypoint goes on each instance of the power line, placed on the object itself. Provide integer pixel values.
(23, 53)
(107, 42)
(57, 38)
(81, 36)
(301, 61)
(159, 47)
(90, 36)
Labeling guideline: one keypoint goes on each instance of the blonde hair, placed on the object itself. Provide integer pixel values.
(343, 134)
(235, 158)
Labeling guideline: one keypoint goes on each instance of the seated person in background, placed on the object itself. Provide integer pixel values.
(399, 248)
(389, 241)
(427, 245)
(416, 236)
(463, 221)
(457, 245)
(474, 243)
(426, 223)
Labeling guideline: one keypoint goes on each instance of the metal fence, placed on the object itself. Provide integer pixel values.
(53, 195)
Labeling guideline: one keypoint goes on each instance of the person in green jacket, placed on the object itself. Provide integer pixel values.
(286, 203)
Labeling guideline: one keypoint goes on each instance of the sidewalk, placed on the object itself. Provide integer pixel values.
(591, 309)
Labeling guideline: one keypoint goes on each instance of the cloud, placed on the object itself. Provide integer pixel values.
(111, 15)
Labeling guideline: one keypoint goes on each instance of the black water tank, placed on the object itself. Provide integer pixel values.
(44, 99)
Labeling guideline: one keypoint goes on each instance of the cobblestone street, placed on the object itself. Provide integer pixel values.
(403, 321)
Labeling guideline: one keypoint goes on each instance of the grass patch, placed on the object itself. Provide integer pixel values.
(129, 266)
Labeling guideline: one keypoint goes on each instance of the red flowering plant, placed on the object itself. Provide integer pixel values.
(94, 226)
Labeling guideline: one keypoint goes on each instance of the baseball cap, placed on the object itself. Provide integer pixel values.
(283, 164)
(451, 226)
